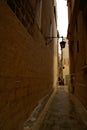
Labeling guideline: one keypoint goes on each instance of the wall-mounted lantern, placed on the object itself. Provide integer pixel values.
(62, 44)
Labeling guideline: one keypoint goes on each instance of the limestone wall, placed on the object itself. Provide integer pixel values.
(26, 69)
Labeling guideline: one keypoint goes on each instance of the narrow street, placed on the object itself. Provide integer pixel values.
(43, 44)
(62, 112)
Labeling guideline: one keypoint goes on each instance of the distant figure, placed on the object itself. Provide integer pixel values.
(63, 81)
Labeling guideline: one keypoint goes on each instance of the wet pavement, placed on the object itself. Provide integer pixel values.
(62, 112)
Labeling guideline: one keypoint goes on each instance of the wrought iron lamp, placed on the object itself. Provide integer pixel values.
(62, 43)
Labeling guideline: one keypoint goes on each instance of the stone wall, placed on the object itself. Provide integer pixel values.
(80, 57)
(77, 34)
(26, 69)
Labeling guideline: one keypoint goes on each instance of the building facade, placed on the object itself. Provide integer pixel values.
(28, 60)
(77, 33)
(65, 63)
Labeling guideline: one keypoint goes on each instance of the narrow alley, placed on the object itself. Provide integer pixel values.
(62, 112)
(35, 57)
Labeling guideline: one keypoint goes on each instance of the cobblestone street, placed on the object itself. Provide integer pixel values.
(64, 112)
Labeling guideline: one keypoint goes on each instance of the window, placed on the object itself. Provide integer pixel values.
(76, 26)
(38, 13)
(55, 14)
(77, 46)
